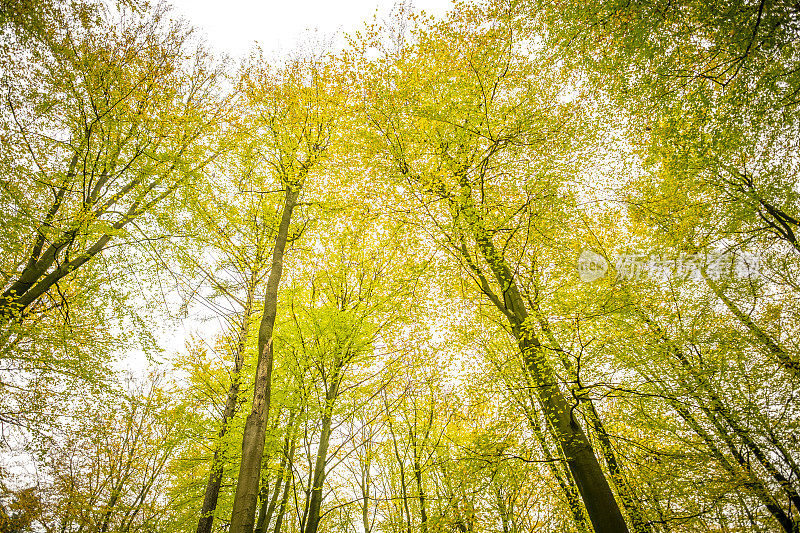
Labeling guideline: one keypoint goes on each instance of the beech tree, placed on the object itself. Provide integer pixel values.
(525, 266)
(455, 141)
(294, 116)
(104, 119)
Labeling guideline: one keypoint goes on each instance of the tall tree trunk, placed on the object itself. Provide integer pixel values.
(416, 449)
(527, 403)
(315, 500)
(598, 498)
(502, 509)
(625, 492)
(759, 338)
(365, 481)
(218, 463)
(563, 477)
(263, 503)
(423, 514)
(268, 504)
(246, 498)
(715, 409)
(602, 507)
(745, 473)
(401, 466)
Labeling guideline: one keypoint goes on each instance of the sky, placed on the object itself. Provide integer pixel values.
(232, 26)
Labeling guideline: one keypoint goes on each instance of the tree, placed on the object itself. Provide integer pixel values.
(461, 145)
(108, 468)
(294, 114)
(235, 224)
(104, 121)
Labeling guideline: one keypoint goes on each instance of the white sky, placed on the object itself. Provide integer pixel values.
(232, 26)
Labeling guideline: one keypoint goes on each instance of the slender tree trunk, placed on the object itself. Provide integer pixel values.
(268, 504)
(287, 483)
(246, 498)
(718, 409)
(527, 403)
(563, 477)
(602, 507)
(749, 480)
(502, 510)
(263, 503)
(759, 338)
(401, 466)
(625, 492)
(218, 463)
(365, 480)
(787, 456)
(743, 475)
(423, 514)
(315, 501)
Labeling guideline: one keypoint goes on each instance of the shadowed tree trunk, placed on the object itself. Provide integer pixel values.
(555, 465)
(417, 449)
(759, 338)
(401, 466)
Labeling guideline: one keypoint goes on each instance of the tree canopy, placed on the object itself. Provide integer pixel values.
(522, 267)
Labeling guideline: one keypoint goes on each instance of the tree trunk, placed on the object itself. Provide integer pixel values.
(625, 492)
(315, 501)
(402, 472)
(602, 508)
(218, 464)
(563, 477)
(264, 501)
(753, 484)
(268, 504)
(423, 514)
(598, 498)
(502, 510)
(365, 480)
(760, 339)
(716, 410)
(287, 483)
(246, 498)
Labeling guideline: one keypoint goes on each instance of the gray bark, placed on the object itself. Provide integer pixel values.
(246, 497)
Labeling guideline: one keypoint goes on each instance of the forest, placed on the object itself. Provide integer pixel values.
(526, 266)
